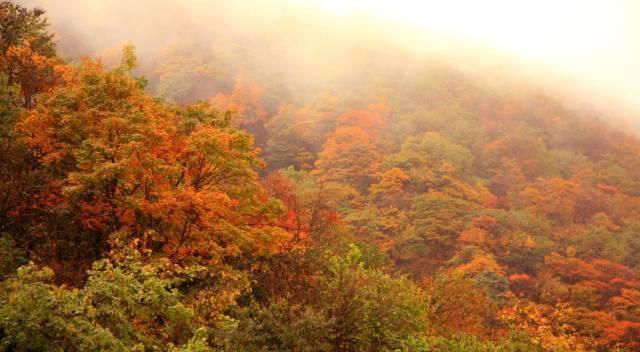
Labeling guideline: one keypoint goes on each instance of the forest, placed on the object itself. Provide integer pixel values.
(201, 201)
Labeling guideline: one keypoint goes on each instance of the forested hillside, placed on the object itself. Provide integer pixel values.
(203, 202)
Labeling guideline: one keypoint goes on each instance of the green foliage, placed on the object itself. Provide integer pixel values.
(516, 218)
(597, 241)
(420, 157)
(12, 152)
(10, 257)
(128, 60)
(359, 308)
(8, 111)
(280, 326)
(18, 24)
(436, 219)
(369, 308)
(516, 342)
(131, 305)
(184, 73)
(36, 315)
(286, 144)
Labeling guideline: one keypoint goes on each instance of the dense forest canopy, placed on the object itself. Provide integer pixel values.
(271, 195)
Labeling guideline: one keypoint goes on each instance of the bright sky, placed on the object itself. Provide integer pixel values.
(596, 40)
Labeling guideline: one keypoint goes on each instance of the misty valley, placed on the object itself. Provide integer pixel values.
(235, 176)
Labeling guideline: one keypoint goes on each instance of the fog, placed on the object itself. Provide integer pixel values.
(585, 50)
(596, 40)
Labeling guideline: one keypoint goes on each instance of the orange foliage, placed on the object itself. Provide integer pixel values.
(370, 119)
(130, 164)
(245, 100)
(34, 72)
(350, 157)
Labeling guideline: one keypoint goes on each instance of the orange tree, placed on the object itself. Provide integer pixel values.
(181, 181)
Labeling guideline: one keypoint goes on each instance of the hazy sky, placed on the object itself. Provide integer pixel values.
(596, 41)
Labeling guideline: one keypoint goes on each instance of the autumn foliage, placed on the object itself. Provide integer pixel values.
(435, 215)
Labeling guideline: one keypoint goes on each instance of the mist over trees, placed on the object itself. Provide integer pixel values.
(265, 195)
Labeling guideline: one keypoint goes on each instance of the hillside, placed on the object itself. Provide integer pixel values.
(212, 200)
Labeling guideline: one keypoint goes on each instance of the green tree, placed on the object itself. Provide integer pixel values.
(27, 51)
(129, 303)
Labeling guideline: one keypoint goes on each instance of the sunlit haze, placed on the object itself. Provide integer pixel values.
(597, 40)
(320, 175)
(594, 42)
